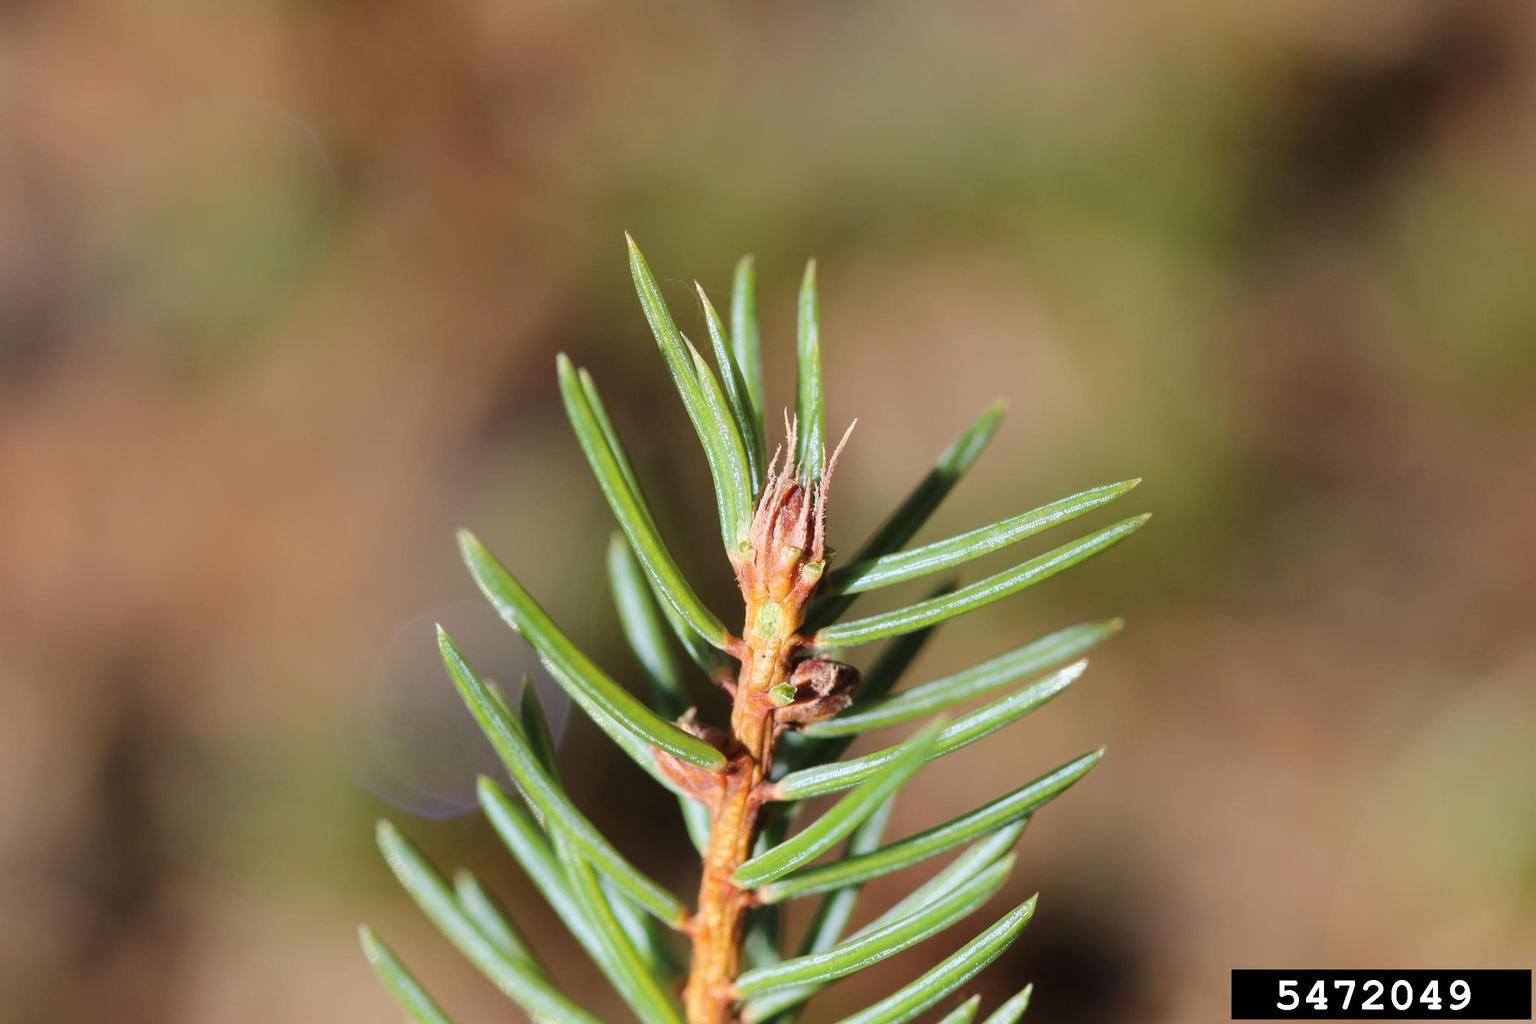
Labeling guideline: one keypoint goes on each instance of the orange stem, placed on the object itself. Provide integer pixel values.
(717, 927)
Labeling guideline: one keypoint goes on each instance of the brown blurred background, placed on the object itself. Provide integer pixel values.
(281, 286)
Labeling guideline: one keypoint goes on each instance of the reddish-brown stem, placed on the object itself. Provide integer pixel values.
(778, 568)
(717, 926)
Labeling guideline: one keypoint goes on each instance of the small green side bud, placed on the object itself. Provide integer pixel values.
(770, 621)
(782, 694)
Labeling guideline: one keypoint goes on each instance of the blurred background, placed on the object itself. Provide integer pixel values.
(281, 286)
